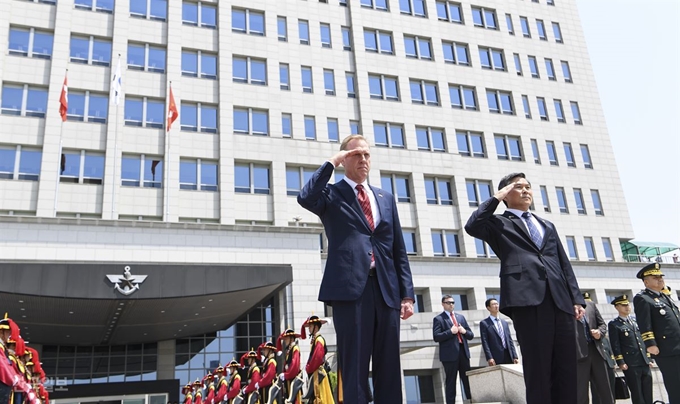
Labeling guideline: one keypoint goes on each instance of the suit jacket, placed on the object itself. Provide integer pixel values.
(351, 242)
(448, 341)
(595, 321)
(491, 341)
(526, 269)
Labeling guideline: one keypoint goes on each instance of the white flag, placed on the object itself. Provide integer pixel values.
(116, 84)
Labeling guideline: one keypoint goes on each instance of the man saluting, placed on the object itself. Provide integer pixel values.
(538, 289)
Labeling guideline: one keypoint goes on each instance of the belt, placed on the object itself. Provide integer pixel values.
(371, 271)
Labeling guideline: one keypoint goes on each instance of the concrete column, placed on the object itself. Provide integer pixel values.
(166, 360)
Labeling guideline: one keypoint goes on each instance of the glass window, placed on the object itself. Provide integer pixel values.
(569, 155)
(189, 13)
(585, 154)
(333, 130)
(597, 203)
(303, 29)
(351, 90)
(607, 246)
(247, 21)
(282, 28)
(550, 70)
(566, 72)
(329, 82)
(310, 128)
(534, 150)
(590, 248)
(286, 125)
(307, 85)
(544, 197)
(562, 200)
(559, 111)
(241, 121)
(500, 102)
(542, 110)
(478, 191)
(484, 18)
(557, 32)
(526, 32)
(580, 205)
(36, 102)
(508, 22)
(284, 76)
(540, 27)
(576, 113)
(571, 247)
(410, 241)
(346, 39)
(533, 66)
(377, 83)
(325, 35)
(29, 164)
(354, 128)
(527, 108)
(552, 154)
(189, 63)
(188, 175)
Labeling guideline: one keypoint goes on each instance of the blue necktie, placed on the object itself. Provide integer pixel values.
(501, 333)
(533, 230)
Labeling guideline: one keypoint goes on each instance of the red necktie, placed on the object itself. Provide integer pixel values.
(365, 205)
(460, 338)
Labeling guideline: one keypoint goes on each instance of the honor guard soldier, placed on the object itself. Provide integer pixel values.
(15, 350)
(188, 397)
(630, 352)
(209, 384)
(220, 382)
(659, 321)
(253, 375)
(266, 351)
(316, 369)
(234, 382)
(6, 372)
(198, 392)
(291, 368)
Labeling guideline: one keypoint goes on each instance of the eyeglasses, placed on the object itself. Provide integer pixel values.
(449, 302)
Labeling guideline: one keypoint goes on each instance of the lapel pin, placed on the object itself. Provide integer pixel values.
(380, 195)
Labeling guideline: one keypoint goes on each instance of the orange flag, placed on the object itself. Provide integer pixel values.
(172, 110)
(63, 100)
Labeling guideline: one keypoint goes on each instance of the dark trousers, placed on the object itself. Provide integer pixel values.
(612, 381)
(670, 369)
(5, 393)
(368, 327)
(451, 369)
(547, 338)
(639, 380)
(506, 360)
(593, 369)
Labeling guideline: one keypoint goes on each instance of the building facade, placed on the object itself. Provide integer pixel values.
(451, 95)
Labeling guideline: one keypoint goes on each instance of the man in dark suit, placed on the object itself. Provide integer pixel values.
(496, 339)
(367, 278)
(611, 372)
(452, 332)
(659, 321)
(538, 289)
(592, 362)
(630, 352)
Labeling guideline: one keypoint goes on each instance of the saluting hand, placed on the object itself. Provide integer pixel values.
(503, 192)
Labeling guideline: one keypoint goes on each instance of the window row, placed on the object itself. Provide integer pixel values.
(589, 245)
(85, 167)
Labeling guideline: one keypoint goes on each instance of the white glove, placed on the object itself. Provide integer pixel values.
(282, 377)
(257, 386)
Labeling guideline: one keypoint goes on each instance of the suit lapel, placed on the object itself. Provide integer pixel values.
(379, 201)
(519, 224)
(547, 229)
(348, 194)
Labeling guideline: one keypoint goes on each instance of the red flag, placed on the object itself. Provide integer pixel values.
(172, 110)
(63, 100)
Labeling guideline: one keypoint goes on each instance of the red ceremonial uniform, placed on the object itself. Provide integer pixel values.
(188, 399)
(292, 366)
(221, 389)
(210, 397)
(253, 378)
(317, 356)
(234, 386)
(269, 373)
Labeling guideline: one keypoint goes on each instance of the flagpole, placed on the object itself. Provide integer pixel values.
(64, 89)
(115, 149)
(167, 156)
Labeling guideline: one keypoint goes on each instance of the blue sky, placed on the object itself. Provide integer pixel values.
(634, 47)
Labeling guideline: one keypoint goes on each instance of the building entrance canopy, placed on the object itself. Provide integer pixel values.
(110, 304)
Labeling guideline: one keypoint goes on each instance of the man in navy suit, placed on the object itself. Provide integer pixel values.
(496, 339)
(538, 289)
(367, 278)
(452, 332)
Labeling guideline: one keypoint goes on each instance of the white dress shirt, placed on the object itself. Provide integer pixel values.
(533, 219)
(371, 198)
